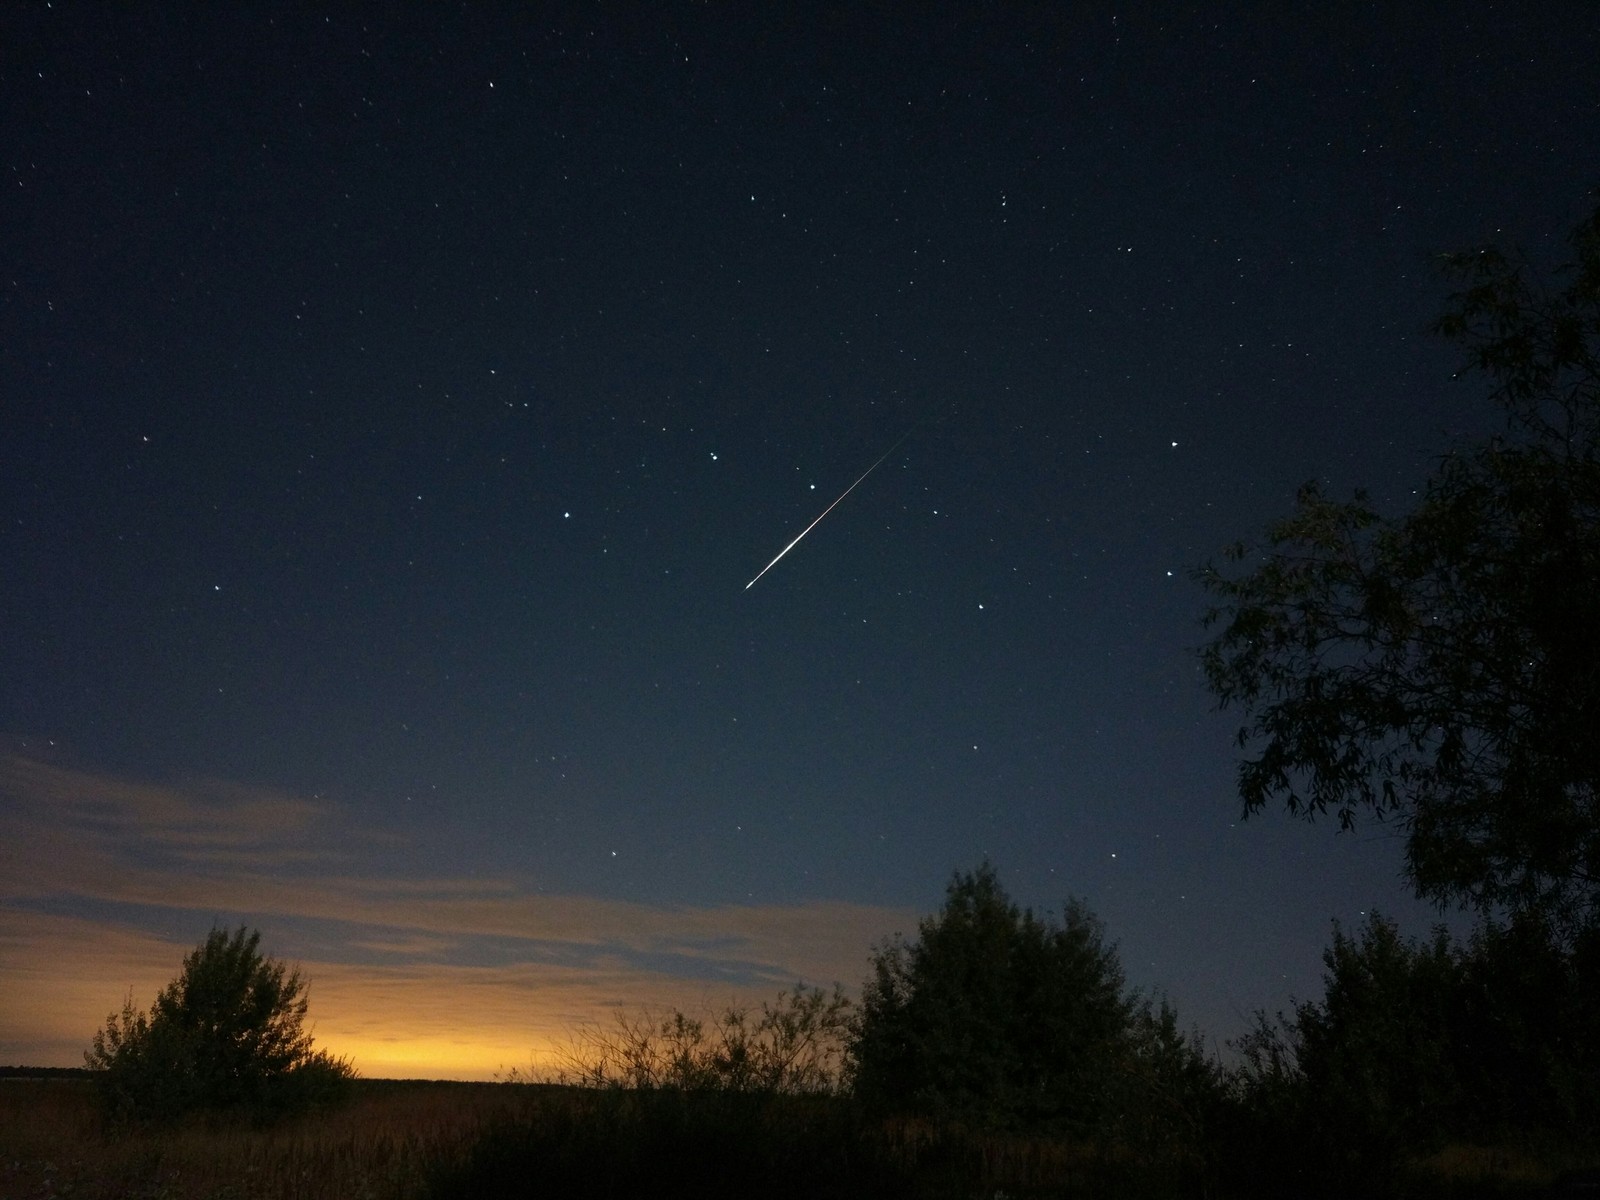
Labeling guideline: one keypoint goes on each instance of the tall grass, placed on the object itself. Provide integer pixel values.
(409, 1141)
(656, 1142)
(382, 1146)
(715, 1144)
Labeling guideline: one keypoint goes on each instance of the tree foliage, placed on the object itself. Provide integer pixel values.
(1417, 1044)
(998, 1017)
(227, 1034)
(1443, 667)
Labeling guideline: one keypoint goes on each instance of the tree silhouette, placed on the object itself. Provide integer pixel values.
(998, 1017)
(1443, 667)
(1416, 1044)
(228, 1033)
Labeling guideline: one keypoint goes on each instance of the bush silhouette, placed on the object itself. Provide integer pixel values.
(793, 1045)
(1418, 1044)
(226, 1035)
(998, 1018)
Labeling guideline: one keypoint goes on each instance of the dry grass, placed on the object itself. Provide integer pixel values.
(393, 1136)
(1009, 1163)
(1509, 1168)
(377, 1148)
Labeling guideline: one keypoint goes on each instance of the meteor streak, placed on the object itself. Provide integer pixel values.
(828, 510)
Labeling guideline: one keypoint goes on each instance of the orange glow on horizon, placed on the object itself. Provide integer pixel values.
(441, 1058)
(417, 977)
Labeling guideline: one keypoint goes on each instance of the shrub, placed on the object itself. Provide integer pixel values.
(227, 1034)
(793, 1045)
(1000, 1019)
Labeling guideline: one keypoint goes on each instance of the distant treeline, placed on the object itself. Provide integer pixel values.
(997, 1051)
(45, 1073)
(1001, 1051)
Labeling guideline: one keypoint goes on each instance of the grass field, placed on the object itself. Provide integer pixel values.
(405, 1140)
(382, 1145)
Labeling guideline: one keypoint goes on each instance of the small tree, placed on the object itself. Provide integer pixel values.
(1377, 1049)
(227, 1034)
(1338, 1093)
(1528, 1040)
(1417, 1044)
(998, 1017)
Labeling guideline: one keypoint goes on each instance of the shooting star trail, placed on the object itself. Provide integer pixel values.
(828, 510)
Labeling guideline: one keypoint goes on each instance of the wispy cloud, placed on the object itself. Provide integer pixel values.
(445, 976)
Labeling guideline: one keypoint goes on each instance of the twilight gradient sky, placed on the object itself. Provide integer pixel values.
(396, 406)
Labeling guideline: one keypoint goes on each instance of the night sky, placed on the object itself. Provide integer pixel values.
(394, 408)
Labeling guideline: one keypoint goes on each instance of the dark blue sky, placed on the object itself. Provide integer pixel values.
(396, 406)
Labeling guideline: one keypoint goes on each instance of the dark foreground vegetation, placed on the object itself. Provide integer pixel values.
(382, 1143)
(414, 1140)
(227, 1035)
(998, 1052)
